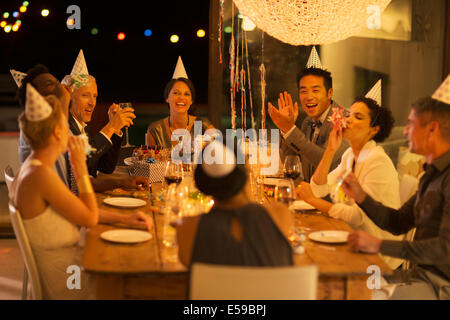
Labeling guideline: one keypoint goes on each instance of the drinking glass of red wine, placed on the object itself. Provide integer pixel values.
(292, 167)
(285, 193)
(173, 173)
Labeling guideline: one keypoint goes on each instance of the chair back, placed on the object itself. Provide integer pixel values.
(219, 282)
(9, 176)
(27, 253)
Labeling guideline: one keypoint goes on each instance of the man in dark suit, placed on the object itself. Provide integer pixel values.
(308, 142)
(107, 142)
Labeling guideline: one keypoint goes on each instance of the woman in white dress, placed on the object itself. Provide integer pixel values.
(367, 124)
(50, 211)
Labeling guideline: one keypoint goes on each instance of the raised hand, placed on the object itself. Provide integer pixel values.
(335, 139)
(285, 116)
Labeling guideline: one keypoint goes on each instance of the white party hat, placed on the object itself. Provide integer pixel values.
(36, 107)
(18, 76)
(314, 60)
(443, 92)
(179, 72)
(375, 92)
(79, 75)
(222, 161)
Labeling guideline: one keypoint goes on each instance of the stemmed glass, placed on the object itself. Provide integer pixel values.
(292, 168)
(173, 173)
(124, 105)
(285, 193)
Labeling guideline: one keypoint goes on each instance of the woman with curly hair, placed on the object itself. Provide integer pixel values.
(366, 124)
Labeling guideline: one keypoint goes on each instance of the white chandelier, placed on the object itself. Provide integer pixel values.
(309, 22)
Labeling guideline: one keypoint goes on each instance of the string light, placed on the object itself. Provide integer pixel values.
(94, 31)
(309, 22)
(121, 36)
(8, 28)
(45, 12)
(174, 38)
(70, 22)
(228, 29)
(6, 15)
(23, 9)
(15, 14)
(3, 24)
(148, 32)
(25, 3)
(15, 27)
(201, 33)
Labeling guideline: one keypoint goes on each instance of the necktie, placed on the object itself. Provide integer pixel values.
(72, 179)
(314, 124)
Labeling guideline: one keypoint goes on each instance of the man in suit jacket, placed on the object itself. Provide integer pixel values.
(308, 142)
(107, 142)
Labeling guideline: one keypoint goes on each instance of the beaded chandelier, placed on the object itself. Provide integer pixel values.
(309, 22)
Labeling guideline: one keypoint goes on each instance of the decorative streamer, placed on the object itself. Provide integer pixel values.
(232, 72)
(219, 37)
(262, 69)
(249, 82)
(242, 83)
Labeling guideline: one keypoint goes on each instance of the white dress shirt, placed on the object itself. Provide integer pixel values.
(377, 176)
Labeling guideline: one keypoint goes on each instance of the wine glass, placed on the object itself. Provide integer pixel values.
(124, 105)
(292, 168)
(285, 193)
(173, 173)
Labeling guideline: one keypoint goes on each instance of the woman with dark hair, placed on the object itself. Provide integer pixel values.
(179, 93)
(235, 231)
(366, 124)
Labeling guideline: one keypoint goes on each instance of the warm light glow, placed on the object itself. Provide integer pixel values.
(6, 15)
(309, 22)
(228, 29)
(201, 33)
(19, 22)
(70, 22)
(25, 3)
(15, 27)
(174, 38)
(248, 24)
(8, 28)
(45, 12)
(121, 36)
(23, 9)
(3, 24)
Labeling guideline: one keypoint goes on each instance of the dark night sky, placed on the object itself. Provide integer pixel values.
(135, 69)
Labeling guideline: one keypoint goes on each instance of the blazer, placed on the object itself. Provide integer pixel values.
(310, 153)
(106, 156)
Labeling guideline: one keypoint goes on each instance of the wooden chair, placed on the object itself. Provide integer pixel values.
(219, 282)
(9, 176)
(28, 257)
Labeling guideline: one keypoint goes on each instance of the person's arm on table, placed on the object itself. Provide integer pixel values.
(104, 182)
(138, 219)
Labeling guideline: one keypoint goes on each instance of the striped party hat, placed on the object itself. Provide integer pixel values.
(375, 92)
(314, 60)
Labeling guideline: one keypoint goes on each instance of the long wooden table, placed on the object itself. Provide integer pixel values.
(149, 271)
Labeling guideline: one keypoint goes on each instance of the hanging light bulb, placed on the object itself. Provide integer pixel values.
(309, 22)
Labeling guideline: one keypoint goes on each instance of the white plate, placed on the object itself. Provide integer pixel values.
(128, 161)
(125, 202)
(301, 205)
(329, 236)
(126, 236)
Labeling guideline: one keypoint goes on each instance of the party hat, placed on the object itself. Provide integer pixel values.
(375, 92)
(79, 75)
(18, 76)
(443, 92)
(179, 72)
(36, 107)
(314, 60)
(219, 160)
